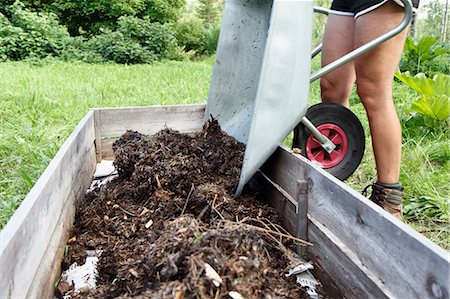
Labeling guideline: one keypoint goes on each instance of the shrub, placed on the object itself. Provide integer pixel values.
(192, 34)
(135, 41)
(114, 46)
(418, 56)
(31, 34)
(154, 37)
(211, 40)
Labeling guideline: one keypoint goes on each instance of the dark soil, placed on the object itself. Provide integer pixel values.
(169, 212)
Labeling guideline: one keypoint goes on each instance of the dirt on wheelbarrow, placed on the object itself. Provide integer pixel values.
(167, 225)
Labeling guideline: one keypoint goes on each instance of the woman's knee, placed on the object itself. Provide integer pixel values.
(374, 95)
(333, 91)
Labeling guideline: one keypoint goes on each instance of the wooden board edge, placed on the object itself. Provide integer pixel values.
(97, 141)
(10, 250)
(336, 261)
(182, 106)
(50, 267)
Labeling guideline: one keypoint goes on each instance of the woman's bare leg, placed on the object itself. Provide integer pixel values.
(375, 73)
(338, 40)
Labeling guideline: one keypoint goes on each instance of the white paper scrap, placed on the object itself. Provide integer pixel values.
(307, 280)
(300, 268)
(235, 295)
(212, 275)
(84, 276)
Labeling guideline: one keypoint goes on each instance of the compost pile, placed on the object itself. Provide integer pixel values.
(168, 227)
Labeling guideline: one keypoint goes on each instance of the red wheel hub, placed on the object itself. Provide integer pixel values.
(315, 152)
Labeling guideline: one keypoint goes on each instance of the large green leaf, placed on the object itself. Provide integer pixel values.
(434, 100)
(439, 85)
(436, 107)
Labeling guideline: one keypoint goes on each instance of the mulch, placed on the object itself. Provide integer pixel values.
(169, 216)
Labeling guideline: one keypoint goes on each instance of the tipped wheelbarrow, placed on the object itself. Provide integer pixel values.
(260, 84)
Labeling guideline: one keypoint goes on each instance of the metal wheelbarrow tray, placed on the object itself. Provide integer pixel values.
(365, 251)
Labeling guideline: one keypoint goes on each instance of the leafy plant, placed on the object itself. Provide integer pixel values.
(208, 11)
(434, 94)
(84, 17)
(417, 56)
(135, 41)
(424, 206)
(114, 46)
(29, 34)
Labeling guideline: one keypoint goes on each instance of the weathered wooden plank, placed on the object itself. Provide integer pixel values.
(43, 282)
(284, 168)
(340, 264)
(408, 264)
(386, 247)
(113, 122)
(302, 209)
(148, 120)
(98, 137)
(283, 203)
(29, 240)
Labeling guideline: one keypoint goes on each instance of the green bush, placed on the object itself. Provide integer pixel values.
(30, 34)
(114, 46)
(192, 34)
(154, 37)
(211, 40)
(419, 57)
(83, 17)
(135, 41)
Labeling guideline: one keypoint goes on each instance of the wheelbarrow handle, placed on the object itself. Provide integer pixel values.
(363, 49)
(318, 48)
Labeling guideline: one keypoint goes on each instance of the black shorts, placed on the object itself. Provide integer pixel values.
(355, 8)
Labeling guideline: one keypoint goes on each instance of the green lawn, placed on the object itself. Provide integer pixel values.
(40, 106)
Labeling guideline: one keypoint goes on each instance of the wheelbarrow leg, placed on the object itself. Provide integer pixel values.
(324, 141)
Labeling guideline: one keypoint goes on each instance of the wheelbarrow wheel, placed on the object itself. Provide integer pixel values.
(343, 128)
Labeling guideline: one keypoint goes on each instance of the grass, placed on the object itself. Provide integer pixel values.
(41, 104)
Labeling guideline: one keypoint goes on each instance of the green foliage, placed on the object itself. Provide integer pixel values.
(319, 21)
(30, 34)
(114, 46)
(427, 207)
(90, 17)
(433, 23)
(163, 11)
(211, 40)
(434, 99)
(135, 41)
(195, 37)
(208, 11)
(417, 57)
(190, 32)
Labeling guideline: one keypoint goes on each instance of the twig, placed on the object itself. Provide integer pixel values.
(158, 183)
(202, 213)
(218, 213)
(187, 199)
(276, 233)
(125, 211)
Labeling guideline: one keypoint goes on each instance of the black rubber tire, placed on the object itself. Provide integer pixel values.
(327, 113)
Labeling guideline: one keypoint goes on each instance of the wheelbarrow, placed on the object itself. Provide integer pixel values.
(260, 86)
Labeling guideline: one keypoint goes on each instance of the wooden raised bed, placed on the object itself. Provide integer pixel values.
(365, 251)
